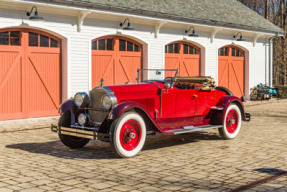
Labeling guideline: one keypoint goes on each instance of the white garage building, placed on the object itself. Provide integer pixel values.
(79, 42)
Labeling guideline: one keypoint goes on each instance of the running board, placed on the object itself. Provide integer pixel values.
(189, 129)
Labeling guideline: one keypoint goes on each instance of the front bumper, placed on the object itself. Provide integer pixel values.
(82, 132)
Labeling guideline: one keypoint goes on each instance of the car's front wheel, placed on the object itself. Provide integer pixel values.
(232, 122)
(70, 141)
(128, 134)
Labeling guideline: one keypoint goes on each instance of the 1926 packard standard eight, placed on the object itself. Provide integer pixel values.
(124, 114)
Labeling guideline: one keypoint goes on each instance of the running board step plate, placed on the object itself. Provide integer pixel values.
(189, 129)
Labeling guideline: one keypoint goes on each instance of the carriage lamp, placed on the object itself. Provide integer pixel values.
(240, 37)
(36, 17)
(193, 34)
(128, 25)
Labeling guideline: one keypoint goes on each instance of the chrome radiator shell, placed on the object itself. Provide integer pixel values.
(96, 116)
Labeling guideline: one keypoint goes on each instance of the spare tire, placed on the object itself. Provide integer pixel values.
(224, 89)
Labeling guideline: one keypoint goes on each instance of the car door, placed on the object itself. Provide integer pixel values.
(186, 102)
(168, 97)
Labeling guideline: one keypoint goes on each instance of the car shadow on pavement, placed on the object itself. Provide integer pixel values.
(93, 150)
(102, 150)
(164, 141)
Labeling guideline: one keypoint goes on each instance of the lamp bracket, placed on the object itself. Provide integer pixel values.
(213, 33)
(81, 16)
(29, 13)
(255, 38)
(157, 27)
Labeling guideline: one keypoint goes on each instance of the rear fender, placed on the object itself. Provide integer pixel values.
(228, 100)
(68, 106)
(119, 110)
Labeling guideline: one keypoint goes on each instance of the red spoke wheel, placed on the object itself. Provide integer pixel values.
(128, 134)
(231, 122)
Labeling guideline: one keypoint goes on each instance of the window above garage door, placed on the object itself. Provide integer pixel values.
(108, 44)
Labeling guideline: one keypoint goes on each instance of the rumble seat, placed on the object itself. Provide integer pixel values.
(205, 83)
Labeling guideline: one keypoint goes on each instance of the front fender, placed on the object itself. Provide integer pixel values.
(68, 106)
(228, 100)
(120, 109)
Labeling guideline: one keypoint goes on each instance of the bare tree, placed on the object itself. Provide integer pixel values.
(276, 12)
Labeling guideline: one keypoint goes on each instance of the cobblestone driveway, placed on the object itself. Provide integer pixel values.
(35, 160)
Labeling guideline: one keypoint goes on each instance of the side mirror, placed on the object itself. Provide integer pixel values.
(167, 85)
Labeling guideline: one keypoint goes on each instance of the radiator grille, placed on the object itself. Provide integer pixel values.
(97, 117)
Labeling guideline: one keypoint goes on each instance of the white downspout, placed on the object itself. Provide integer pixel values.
(271, 61)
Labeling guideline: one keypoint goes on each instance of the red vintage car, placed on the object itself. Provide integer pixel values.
(124, 114)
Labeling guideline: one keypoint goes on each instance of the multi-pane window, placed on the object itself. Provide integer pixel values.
(172, 48)
(39, 40)
(10, 38)
(176, 47)
(108, 45)
(235, 52)
(129, 46)
(103, 44)
(188, 49)
(223, 51)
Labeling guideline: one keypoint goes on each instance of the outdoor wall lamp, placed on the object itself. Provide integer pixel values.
(128, 26)
(240, 37)
(36, 17)
(193, 34)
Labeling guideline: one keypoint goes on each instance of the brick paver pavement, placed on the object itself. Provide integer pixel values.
(36, 161)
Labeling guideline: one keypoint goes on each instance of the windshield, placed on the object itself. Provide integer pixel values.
(156, 75)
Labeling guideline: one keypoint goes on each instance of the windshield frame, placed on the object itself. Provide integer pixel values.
(157, 70)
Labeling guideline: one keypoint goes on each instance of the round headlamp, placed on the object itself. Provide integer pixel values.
(109, 101)
(83, 118)
(81, 99)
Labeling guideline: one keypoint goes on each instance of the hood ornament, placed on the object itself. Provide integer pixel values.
(102, 82)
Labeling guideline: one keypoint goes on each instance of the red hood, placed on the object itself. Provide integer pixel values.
(136, 91)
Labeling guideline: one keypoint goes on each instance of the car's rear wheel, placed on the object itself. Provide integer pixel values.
(128, 134)
(232, 122)
(70, 141)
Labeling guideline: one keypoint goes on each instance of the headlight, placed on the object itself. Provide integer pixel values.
(109, 101)
(81, 99)
(83, 118)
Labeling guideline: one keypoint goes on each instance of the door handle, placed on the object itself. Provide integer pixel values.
(195, 96)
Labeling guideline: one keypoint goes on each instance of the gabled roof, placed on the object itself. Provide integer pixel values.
(225, 13)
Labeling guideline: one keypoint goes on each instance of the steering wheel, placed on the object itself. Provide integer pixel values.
(169, 80)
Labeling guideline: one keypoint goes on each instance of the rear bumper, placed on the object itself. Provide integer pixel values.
(82, 132)
(248, 116)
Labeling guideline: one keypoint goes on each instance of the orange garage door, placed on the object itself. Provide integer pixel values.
(30, 65)
(116, 60)
(231, 69)
(182, 56)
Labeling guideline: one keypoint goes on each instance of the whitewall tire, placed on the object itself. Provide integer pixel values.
(128, 134)
(231, 122)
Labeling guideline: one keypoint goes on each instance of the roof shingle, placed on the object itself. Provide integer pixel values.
(229, 13)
